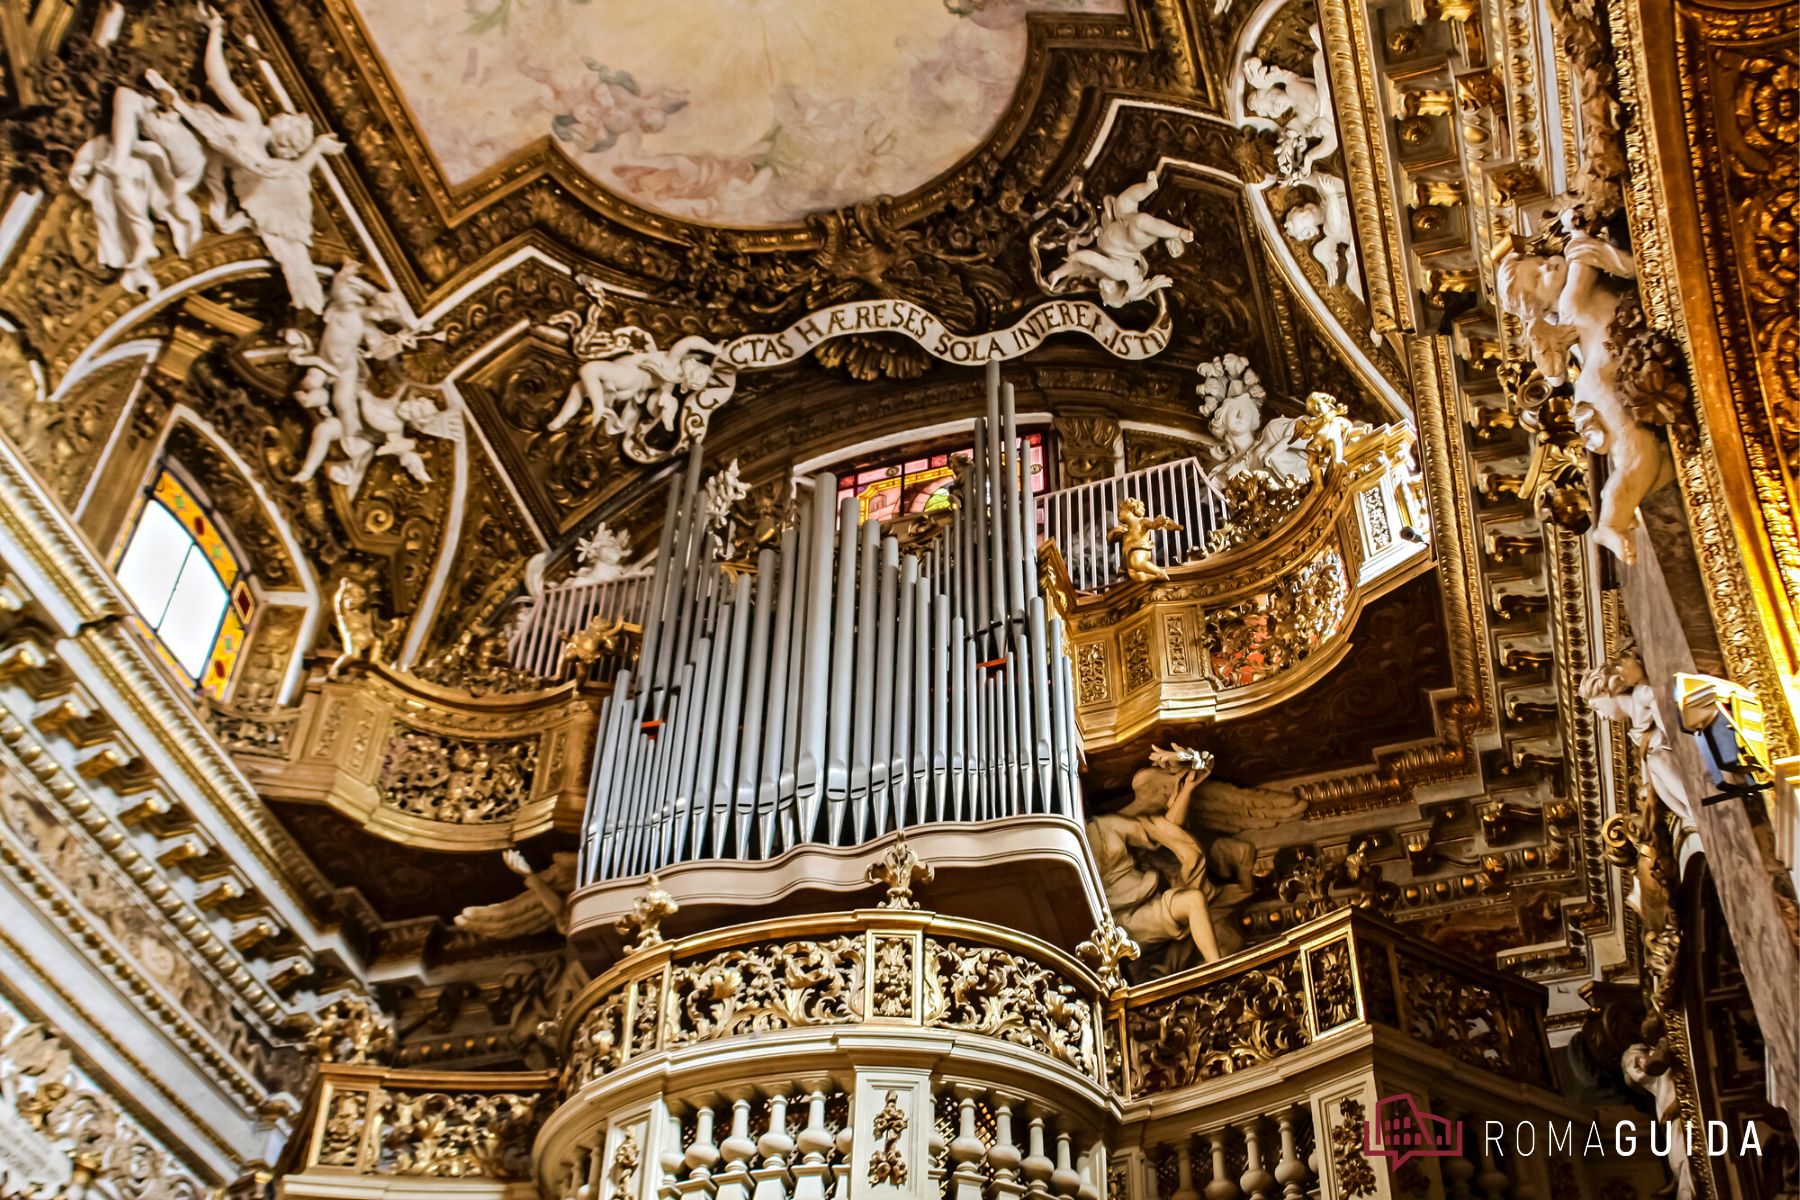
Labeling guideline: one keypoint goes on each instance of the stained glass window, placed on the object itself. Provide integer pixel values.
(914, 481)
(191, 596)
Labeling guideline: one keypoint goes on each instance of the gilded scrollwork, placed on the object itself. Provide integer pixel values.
(461, 780)
(1000, 994)
(1239, 1022)
(777, 985)
(893, 977)
(598, 1043)
(1355, 1176)
(341, 1135)
(457, 1135)
(1471, 1021)
(1274, 632)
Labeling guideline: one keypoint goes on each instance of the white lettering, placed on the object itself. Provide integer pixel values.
(1519, 1143)
(1668, 1137)
(1491, 1133)
(1625, 1139)
(1595, 1145)
(1724, 1138)
(1562, 1145)
(1752, 1141)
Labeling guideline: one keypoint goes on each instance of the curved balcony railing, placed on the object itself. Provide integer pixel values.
(420, 764)
(1264, 613)
(886, 968)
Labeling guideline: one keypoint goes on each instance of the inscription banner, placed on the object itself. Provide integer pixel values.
(759, 351)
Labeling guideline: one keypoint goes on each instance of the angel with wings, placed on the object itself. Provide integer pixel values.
(540, 908)
(1162, 885)
(268, 161)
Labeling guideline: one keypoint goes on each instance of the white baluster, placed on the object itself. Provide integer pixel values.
(1222, 1186)
(1291, 1173)
(966, 1152)
(844, 1162)
(1064, 1181)
(701, 1157)
(1184, 1172)
(670, 1160)
(814, 1145)
(1004, 1156)
(1492, 1181)
(1037, 1165)
(1084, 1167)
(1255, 1180)
(733, 1183)
(776, 1148)
(1457, 1171)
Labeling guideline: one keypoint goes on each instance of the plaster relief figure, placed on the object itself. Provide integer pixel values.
(1106, 249)
(539, 908)
(1292, 105)
(601, 556)
(724, 492)
(269, 164)
(1618, 690)
(1162, 886)
(1635, 1063)
(1231, 400)
(364, 324)
(141, 173)
(1568, 302)
(654, 400)
(1326, 224)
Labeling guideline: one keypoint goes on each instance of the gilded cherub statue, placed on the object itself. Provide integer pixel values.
(360, 632)
(1137, 546)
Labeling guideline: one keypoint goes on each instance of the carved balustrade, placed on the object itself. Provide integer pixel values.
(1255, 1076)
(421, 764)
(420, 1133)
(785, 1057)
(1264, 614)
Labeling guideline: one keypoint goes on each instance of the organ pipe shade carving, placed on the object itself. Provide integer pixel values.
(842, 690)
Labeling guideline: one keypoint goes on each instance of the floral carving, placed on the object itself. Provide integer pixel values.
(893, 986)
(1354, 1174)
(598, 1045)
(888, 1163)
(1333, 986)
(340, 1142)
(1275, 631)
(1090, 672)
(1138, 671)
(1259, 502)
(458, 1135)
(458, 779)
(1227, 1026)
(999, 994)
(785, 985)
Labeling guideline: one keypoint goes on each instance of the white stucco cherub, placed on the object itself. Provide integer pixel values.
(1568, 302)
(1108, 252)
(1618, 690)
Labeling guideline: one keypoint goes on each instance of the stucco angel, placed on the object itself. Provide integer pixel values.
(637, 391)
(1162, 885)
(362, 634)
(1231, 403)
(1569, 302)
(1618, 690)
(364, 324)
(1107, 249)
(142, 171)
(1292, 105)
(269, 163)
(539, 908)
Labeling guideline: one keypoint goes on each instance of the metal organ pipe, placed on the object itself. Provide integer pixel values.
(849, 688)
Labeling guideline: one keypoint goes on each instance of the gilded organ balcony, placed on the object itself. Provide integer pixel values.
(418, 763)
(1251, 602)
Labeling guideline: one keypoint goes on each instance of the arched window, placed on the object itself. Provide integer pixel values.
(911, 480)
(190, 593)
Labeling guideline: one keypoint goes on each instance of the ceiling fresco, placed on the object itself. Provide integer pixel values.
(783, 108)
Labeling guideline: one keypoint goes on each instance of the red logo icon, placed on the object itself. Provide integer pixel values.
(1403, 1131)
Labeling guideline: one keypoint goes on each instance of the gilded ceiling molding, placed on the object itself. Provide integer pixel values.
(1713, 156)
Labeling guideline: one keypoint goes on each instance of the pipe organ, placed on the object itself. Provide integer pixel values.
(844, 688)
